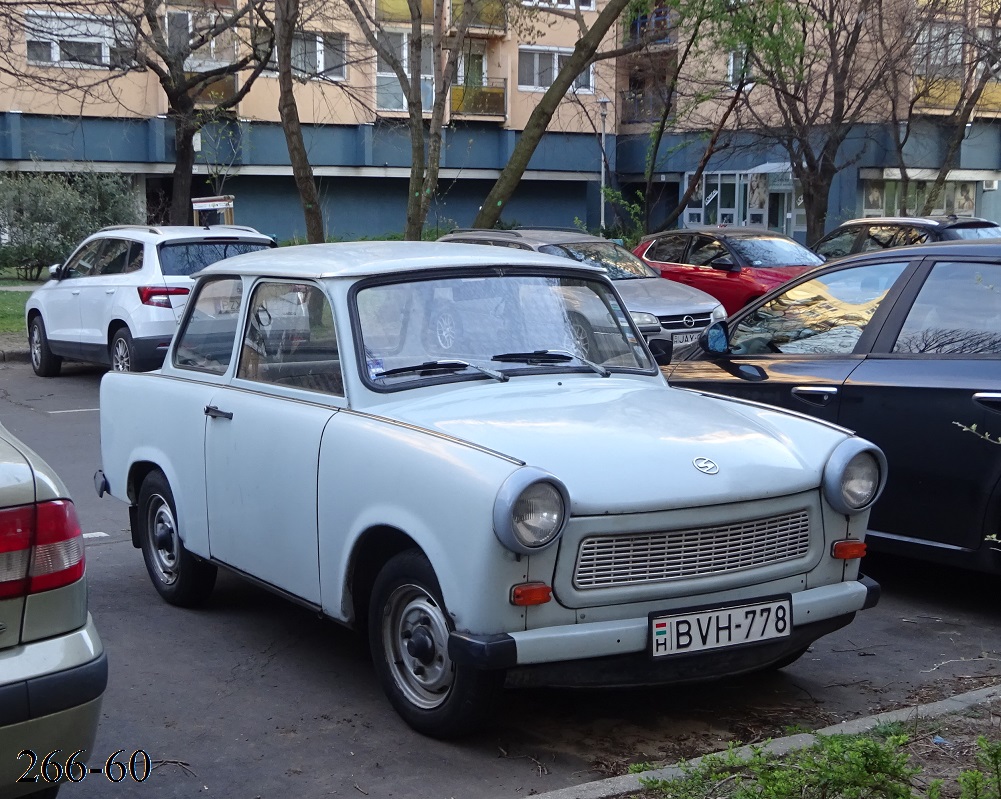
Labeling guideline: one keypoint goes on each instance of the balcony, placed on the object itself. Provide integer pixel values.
(487, 98)
(486, 17)
(655, 28)
(399, 10)
(216, 92)
(641, 106)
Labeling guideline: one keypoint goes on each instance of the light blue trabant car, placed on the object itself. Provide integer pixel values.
(407, 438)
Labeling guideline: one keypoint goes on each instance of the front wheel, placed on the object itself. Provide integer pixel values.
(178, 576)
(408, 634)
(43, 361)
(123, 351)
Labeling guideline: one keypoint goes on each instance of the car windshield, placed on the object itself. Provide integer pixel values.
(773, 251)
(188, 257)
(617, 261)
(470, 326)
(974, 231)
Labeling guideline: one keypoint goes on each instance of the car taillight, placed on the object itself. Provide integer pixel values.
(41, 548)
(160, 295)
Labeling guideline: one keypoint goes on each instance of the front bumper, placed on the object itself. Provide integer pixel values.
(816, 612)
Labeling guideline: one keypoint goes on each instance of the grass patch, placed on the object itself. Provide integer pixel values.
(12, 311)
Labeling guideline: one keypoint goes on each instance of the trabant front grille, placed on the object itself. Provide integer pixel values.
(606, 561)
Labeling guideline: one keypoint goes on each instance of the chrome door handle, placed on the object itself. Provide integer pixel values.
(75, 291)
(989, 399)
(110, 291)
(815, 395)
(213, 412)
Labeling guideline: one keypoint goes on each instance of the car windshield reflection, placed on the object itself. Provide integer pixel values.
(617, 261)
(451, 329)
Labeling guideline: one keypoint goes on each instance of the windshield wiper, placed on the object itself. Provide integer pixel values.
(549, 356)
(443, 366)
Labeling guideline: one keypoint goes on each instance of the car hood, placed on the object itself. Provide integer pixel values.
(626, 445)
(663, 297)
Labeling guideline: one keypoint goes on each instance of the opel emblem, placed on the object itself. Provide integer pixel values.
(706, 466)
(689, 320)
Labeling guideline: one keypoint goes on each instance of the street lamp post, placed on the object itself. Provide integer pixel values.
(603, 103)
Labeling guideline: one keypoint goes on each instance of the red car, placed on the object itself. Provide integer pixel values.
(735, 265)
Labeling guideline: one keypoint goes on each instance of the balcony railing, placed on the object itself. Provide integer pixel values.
(486, 15)
(219, 90)
(653, 28)
(646, 106)
(487, 98)
(399, 10)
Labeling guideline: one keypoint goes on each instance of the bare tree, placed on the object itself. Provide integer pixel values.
(819, 71)
(201, 56)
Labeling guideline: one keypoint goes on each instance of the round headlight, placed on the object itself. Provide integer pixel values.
(537, 515)
(530, 510)
(718, 314)
(860, 480)
(854, 476)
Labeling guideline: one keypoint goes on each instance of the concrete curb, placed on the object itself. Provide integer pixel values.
(15, 355)
(630, 783)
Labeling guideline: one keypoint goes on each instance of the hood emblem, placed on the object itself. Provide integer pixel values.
(689, 320)
(706, 466)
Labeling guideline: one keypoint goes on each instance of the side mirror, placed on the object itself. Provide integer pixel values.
(662, 349)
(715, 339)
(724, 263)
(54, 271)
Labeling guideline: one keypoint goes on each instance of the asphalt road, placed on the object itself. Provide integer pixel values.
(255, 697)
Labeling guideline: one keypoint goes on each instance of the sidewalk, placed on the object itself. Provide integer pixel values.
(629, 784)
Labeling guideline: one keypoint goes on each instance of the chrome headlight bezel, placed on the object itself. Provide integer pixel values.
(837, 466)
(507, 498)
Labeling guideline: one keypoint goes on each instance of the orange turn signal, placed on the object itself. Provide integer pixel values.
(848, 549)
(531, 594)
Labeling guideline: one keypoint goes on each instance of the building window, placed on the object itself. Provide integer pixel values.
(538, 67)
(939, 51)
(388, 91)
(317, 55)
(73, 41)
(738, 70)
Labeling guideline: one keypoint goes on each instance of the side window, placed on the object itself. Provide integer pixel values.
(837, 245)
(84, 261)
(290, 339)
(704, 249)
(206, 341)
(957, 312)
(878, 237)
(669, 249)
(113, 257)
(910, 235)
(826, 315)
(135, 262)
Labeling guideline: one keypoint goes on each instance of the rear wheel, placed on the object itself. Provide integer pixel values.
(179, 577)
(583, 335)
(123, 351)
(43, 361)
(408, 635)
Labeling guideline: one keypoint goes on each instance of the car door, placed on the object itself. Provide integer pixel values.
(263, 439)
(98, 296)
(61, 312)
(796, 346)
(930, 396)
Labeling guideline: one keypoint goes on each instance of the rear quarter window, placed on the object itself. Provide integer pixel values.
(187, 257)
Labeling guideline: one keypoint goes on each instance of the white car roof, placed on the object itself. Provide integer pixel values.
(365, 258)
(160, 233)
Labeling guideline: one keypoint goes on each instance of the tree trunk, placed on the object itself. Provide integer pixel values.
(510, 177)
(184, 148)
(286, 15)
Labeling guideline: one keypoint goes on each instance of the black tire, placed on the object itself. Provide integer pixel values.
(43, 361)
(122, 351)
(179, 577)
(408, 633)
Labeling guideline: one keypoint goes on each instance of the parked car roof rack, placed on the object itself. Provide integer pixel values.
(147, 228)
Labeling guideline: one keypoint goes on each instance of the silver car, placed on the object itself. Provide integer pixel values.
(661, 308)
(53, 669)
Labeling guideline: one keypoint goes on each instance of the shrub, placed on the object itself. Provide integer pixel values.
(44, 215)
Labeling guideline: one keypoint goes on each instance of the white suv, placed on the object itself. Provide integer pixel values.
(118, 297)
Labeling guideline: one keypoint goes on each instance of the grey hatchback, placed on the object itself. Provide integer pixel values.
(682, 312)
(53, 669)
(885, 232)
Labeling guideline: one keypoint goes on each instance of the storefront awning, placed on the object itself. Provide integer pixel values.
(770, 167)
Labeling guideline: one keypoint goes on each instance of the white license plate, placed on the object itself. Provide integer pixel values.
(685, 338)
(715, 628)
